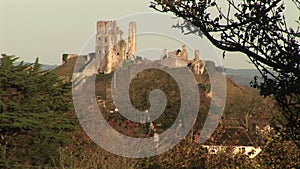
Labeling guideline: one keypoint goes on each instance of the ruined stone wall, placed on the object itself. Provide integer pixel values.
(179, 54)
(66, 57)
(172, 59)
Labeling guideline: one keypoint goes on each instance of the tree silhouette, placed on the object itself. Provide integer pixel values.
(259, 30)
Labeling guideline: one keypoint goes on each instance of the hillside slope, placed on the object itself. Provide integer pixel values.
(241, 101)
(244, 109)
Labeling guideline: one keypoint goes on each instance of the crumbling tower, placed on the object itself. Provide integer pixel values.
(110, 49)
(184, 54)
(197, 55)
(197, 65)
(106, 36)
(131, 54)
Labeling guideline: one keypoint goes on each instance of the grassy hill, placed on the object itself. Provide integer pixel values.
(244, 109)
(240, 100)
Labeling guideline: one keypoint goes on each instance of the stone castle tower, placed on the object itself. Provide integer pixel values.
(111, 46)
(197, 65)
(183, 55)
(132, 41)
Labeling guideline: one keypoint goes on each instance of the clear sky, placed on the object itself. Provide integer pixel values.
(48, 28)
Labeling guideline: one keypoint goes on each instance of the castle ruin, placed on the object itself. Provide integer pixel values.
(111, 45)
(179, 58)
(112, 50)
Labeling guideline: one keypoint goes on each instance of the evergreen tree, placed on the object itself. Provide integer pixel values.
(33, 114)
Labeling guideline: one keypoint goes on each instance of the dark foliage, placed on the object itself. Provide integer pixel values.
(259, 30)
(33, 121)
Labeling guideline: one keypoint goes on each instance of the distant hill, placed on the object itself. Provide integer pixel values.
(44, 66)
(48, 67)
(242, 76)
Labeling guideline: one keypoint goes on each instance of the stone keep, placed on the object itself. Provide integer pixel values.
(110, 46)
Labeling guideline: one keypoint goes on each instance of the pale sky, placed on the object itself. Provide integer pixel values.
(48, 28)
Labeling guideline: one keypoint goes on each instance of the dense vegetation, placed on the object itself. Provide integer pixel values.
(242, 105)
(34, 123)
(37, 124)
